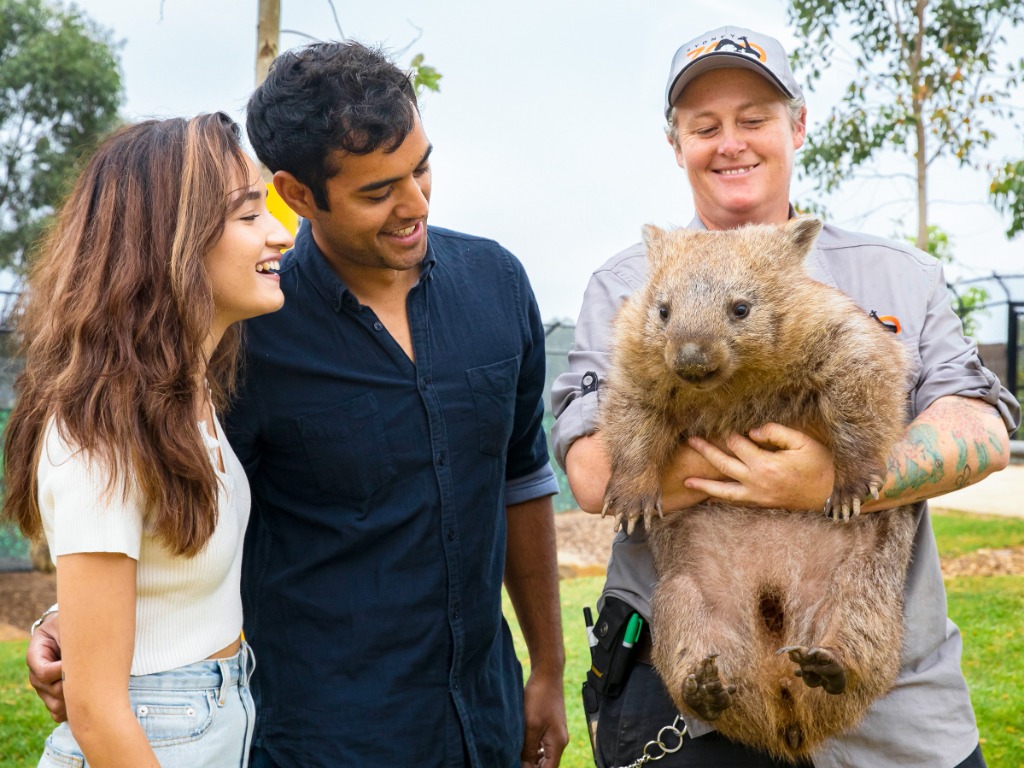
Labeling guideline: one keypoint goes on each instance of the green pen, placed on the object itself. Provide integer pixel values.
(636, 622)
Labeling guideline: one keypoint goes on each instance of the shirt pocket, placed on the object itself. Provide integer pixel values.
(346, 450)
(494, 400)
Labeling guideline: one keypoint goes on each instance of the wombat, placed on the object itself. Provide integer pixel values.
(780, 626)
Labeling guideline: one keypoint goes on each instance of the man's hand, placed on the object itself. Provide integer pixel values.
(546, 733)
(45, 668)
(774, 467)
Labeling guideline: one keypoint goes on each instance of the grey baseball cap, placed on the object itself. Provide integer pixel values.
(731, 47)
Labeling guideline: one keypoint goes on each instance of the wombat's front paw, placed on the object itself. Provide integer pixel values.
(818, 667)
(627, 505)
(845, 501)
(705, 693)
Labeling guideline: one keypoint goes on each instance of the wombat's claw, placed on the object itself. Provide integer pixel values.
(818, 667)
(649, 514)
(625, 523)
(843, 508)
(705, 693)
(874, 486)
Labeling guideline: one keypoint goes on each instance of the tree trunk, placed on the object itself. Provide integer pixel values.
(920, 130)
(268, 36)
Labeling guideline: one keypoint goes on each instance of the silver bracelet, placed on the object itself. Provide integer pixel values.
(35, 624)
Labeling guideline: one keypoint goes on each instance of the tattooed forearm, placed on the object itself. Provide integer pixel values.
(965, 436)
(916, 461)
(963, 469)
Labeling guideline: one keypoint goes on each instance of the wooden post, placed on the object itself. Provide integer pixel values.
(268, 36)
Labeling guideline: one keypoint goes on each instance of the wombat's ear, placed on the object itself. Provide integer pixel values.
(802, 231)
(654, 238)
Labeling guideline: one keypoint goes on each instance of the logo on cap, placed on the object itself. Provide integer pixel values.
(747, 48)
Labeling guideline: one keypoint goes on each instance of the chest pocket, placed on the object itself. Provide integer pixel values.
(346, 449)
(494, 399)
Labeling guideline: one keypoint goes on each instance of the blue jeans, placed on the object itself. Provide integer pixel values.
(193, 716)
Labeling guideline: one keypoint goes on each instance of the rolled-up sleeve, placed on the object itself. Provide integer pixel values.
(575, 394)
(528, 472)
(950, 361)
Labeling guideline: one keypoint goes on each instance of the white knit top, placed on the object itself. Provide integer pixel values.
(187, 608)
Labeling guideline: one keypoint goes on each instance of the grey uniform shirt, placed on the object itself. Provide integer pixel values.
(927, 719)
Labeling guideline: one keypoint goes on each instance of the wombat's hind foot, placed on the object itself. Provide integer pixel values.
(705, 693)
(818, 667)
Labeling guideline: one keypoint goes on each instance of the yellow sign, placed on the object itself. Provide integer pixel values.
(279, 210)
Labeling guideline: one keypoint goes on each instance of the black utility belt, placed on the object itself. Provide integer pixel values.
(618, 639)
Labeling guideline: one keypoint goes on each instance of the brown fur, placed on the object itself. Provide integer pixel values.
(745, 596)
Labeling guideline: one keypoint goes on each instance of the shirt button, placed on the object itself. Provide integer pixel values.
(456, 613)
(440, 459)
(451, 534)
(378, 326)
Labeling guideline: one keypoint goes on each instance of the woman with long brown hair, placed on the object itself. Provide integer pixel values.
(114, 451)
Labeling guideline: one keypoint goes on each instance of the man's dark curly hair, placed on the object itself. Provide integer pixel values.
(326, 97)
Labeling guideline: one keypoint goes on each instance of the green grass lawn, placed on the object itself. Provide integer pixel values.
(24, 723)
(987, 609)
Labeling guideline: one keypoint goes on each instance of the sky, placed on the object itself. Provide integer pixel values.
(548, 130)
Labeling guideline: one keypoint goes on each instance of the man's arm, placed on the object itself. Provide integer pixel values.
(589, 469)
(954, 442)
(531, 579)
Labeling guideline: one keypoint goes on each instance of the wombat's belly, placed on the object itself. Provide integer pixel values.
(728, 547)
(742, 584)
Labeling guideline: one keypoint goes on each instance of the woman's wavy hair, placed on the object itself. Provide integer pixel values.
(113, 323)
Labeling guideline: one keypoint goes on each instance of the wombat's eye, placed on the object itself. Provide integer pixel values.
(740, 309)
(663, 311)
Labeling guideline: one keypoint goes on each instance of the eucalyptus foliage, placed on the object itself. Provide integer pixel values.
(932, 78)
(1007, 192)
(60, 89)
(424, 76)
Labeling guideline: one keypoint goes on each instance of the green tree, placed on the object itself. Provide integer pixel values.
(60, 89)
(928, 80)
(1007, 192)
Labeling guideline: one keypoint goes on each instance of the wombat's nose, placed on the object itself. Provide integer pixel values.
(692, 363)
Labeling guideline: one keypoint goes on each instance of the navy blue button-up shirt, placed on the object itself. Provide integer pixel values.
(376, 548)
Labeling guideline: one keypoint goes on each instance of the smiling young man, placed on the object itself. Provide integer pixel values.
(736, 116)
(389, 421)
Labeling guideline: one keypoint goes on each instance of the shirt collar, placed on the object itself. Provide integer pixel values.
(327, 283)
